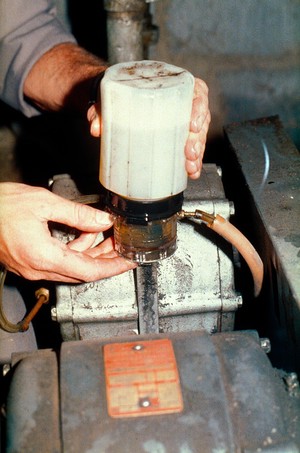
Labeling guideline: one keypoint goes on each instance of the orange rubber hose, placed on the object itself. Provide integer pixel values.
(245, 248)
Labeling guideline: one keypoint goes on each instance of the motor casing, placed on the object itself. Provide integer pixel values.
(233, 400)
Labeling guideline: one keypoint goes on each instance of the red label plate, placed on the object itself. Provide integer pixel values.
(142, 378)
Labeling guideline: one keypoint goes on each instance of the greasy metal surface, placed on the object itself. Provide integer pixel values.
(195, 286)
(147, 298)
(219, 376)
(270, 165)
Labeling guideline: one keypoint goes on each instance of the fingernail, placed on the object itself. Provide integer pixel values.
(103, 218)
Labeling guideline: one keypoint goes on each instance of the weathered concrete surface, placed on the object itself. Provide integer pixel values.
(248, 53)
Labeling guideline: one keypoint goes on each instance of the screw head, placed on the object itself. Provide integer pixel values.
(144, 402)
(265, 344)
(53, 314)
(138, 347)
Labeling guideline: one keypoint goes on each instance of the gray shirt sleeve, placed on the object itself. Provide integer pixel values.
(28, 29)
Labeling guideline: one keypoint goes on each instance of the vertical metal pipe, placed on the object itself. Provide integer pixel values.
(147, 297)
(129, 33)
(125, 23)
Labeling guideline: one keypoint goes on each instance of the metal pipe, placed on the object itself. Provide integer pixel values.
(147, 297)
(42, 296)
(129, 33)
(129, 30)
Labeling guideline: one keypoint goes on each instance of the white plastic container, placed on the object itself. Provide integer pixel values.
(146, 109)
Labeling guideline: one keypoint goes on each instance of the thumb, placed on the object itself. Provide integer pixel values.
(93, 116)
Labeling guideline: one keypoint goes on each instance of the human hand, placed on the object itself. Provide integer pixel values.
(199, 124)
(200, 120)
(28, 249)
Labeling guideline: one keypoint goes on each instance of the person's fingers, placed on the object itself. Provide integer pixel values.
(194, 149)
(103, 248)
(200, 119)
(83, 242)
(93, 116)
(200, 87)
(200, 106)
(63, 264)
(196, 142)
(95, 127)
(193, 169)
(91, 113)
(84, 268)
(85, 218)
(28, 249)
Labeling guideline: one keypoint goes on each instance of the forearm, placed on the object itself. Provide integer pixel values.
(37, 48)
(61, 78)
